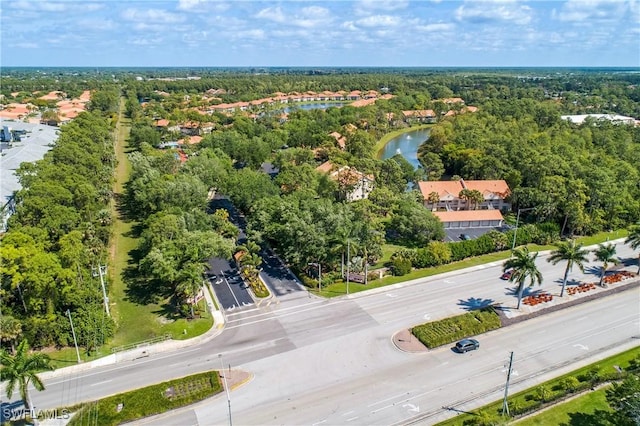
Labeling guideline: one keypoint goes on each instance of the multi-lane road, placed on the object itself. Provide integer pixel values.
(317, 361)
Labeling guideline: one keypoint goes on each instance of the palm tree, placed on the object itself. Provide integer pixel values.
(20, 369)
(605, 253)
(476, 198)
(465, 195)
(434, 198)
(633, 239)
(524, 266)
(573, 254)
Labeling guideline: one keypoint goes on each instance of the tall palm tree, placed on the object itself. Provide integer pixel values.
(572, 253)
(20, 369)
(605, 253)
(633, 239)
(524, 266)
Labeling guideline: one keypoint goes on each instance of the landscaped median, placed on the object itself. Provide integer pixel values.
(448, 330)
(148, 401)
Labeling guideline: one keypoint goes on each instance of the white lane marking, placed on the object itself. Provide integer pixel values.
(427, 316)
(581, 346)
(348, 412)
(387, 399)
(391, 295)
(101, 383)
(412, 408)
(319, 423)
(228, 285)
(448, 281)
(352, 418)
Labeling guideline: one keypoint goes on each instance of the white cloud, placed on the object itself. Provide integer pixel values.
(494, 11)
(592, 10)
(96, 24)
(387, 5)
(202, 6)
(307, 17)
(379, 21)
(272, 14)
(155, 16)
(439, 27)
(25, 45)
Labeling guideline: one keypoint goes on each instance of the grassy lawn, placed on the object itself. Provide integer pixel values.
(603, 367)
(138, 322)
(148, 401)
(560, 414)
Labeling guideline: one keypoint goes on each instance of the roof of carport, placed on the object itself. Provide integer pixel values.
(468, 215)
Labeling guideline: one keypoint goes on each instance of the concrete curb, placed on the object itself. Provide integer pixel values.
(470, 269)
(144, 351)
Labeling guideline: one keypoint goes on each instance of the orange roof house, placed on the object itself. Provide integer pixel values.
(445, 195)
(341, 140)
(470, 218)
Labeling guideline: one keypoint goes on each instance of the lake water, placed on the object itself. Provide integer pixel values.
(315, 105)
(407, 145)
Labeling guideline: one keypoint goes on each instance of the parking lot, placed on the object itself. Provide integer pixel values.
(454, 234)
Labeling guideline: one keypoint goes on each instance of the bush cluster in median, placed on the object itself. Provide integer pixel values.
(448, 330)
(148, 401)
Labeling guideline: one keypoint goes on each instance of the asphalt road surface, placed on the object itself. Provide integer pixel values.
(317, 361)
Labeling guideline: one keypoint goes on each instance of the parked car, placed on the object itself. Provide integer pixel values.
(507, 274)
(465, 237)
(466, 345)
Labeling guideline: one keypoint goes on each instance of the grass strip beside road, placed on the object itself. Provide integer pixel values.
(584, 378)
(339, 288)
(137, 322)
(148, 401)
(580, 408)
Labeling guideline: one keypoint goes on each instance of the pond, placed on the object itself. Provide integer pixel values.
(315, 105)
(407, 145)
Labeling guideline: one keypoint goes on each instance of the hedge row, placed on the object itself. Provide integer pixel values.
(148, 401)
(448, 330)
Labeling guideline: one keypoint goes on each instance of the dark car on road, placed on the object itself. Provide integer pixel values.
(465, 237)
(466, 345)
(507, 275)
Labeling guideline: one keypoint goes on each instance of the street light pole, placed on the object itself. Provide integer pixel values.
(73, 332)
(319, 274)
(348, 262)
(515, 232)
(226, 386)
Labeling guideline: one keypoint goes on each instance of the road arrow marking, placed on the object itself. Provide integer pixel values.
(391, 295)
(412, 408)
(448, 281)
(583, 347)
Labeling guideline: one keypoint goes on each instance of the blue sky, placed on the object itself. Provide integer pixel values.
(425, 33)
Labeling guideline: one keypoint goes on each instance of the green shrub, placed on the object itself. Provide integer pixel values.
(448, 330)
(148, 401)
(401, 266)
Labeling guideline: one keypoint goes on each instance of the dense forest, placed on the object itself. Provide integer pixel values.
(577, 179)
(58, 238)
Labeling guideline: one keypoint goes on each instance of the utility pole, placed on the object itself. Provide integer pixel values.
(73, 332)
(102, 270)
(515, 232)
(505, 404)
(226, 386)
(348, 262)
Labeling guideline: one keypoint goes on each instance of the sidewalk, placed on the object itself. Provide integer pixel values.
(406, 342)
(144, 351)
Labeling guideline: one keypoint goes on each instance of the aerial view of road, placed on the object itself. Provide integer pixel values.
(317, 361)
